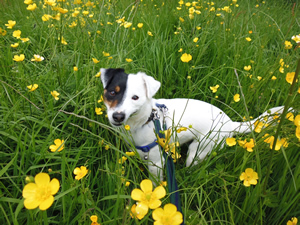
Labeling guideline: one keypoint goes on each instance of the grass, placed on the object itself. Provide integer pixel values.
(211, 192)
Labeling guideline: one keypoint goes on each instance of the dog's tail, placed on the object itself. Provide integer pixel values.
(267, 118)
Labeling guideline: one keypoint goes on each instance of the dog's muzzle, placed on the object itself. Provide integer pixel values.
(118, 117)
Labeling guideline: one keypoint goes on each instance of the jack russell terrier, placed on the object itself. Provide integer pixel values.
(129, 101)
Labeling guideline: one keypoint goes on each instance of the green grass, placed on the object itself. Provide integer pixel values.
(211, 192)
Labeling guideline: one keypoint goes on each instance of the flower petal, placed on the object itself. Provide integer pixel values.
(137, 194)
(54, 185)
(159, 192)
(158, 214)
(46, 203)
(170, 209)
(29, 190)
(146, 185)
(141, 210)
(154, 204)
(31, 203)
(42, 179)
(177, 218)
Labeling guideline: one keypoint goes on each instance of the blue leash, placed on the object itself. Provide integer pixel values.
(171, 180)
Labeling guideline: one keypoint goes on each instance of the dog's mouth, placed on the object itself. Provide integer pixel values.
(116, 124)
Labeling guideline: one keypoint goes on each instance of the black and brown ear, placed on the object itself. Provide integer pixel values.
(107, 75)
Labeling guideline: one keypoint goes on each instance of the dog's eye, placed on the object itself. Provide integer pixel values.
(135, 97)
(112, 93)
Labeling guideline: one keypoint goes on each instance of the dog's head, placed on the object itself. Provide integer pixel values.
(127, 96)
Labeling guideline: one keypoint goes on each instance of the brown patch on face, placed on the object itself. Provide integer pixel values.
(105, 91)
(117, 89)
(111, 104)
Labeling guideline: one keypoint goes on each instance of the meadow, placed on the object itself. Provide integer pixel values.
(242, 56)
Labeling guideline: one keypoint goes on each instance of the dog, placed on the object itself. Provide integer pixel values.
(129, 101)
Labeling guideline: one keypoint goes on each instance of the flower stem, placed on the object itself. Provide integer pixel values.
(285, 110)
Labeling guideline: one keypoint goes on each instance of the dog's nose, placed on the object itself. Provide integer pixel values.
(118, 117)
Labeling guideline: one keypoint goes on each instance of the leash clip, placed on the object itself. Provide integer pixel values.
(155, 115)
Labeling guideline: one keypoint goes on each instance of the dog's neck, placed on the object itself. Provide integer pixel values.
(142, 116)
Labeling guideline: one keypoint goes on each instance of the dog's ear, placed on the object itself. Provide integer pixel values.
(151, 84)
(108, 74)
(103, 77)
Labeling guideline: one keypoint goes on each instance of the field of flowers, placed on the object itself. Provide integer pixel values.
(61, 162)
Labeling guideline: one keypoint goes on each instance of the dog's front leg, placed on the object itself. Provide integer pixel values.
(155, 164)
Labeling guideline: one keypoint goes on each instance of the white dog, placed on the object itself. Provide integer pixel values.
(128, 98)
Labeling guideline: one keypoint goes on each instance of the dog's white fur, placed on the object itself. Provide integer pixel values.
(210, 125)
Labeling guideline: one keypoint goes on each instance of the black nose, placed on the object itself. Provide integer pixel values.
(118, 117)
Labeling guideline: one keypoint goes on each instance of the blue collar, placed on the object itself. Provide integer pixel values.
(147, 148)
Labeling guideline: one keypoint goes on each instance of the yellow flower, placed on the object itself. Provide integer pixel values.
(181, 19)
(293, 221)
(249, 177)
(296, 38)
(167, 216)
(247, 68)
(62, 11)
(50, 2)
(127, 127)
(19, 58)
(14, 45)
(55, 95)
(130, 153)
(140, 25)
(127, 184)
(31, 7)
(230, 141)
(128, 60)
(37, 58)
(122, 160)
(98, 74)
(40, 194)
(142, 211)
(75, 13)
(101, 99)
(32, 87)
(106, 54)
(297, 121)
(195, 39)
(46, 17)
(186, 57)
(236, 97)
(248, 39)
(63, 41)
(10, 24)
(17, 34)
(287, 45)
(248, 145)
(290, 77)
(181, 129)
(290, 116)
(214, 89)
(297, 133)
(75, 68)
(280, 142)
(180, 50)
(150, 33)
(94, 220)
(28, 2)
(98, 111)
(59, 145)
(127, 24)
(24, 39)
(80, 172)
(2, 32)
(258, 126)
(146, 197)
(95, 60)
